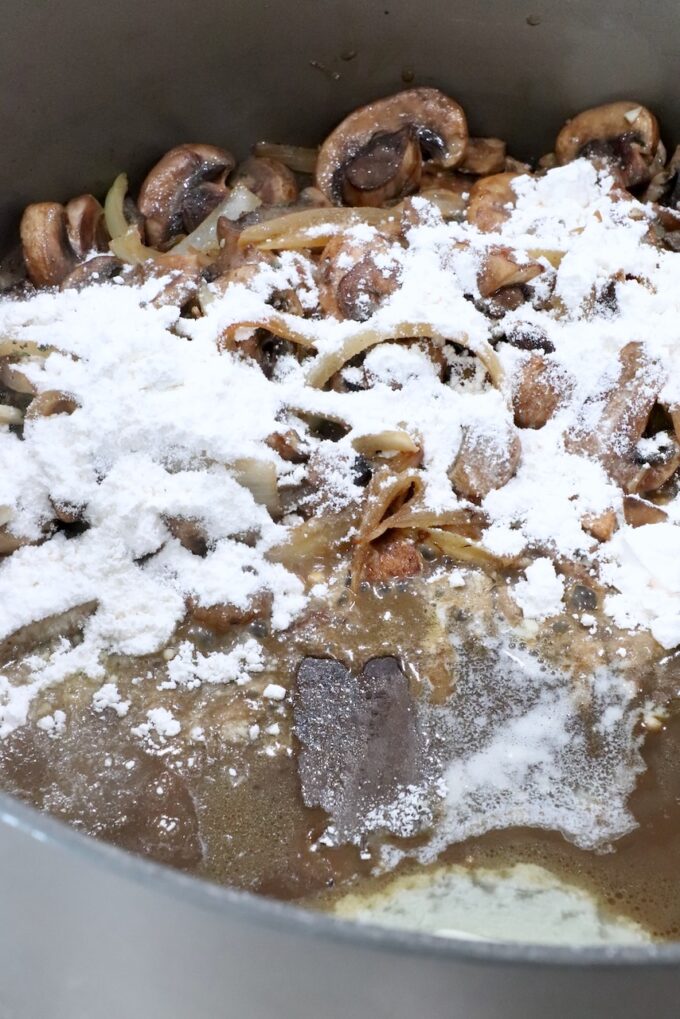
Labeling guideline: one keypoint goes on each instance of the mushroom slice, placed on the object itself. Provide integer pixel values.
(168, 185)
(358, 291)
(392, 557)
(486, 460)
(638, 512)
(537, 392)
(614, 438)
(269, 179)
(502, 268)
(491, 201)
(385, 169)
(99, 269)
(222, 616)
(434, 120)
(483, 156)
(624, 134)
(85, 225)
(48, 255)
(200, 202)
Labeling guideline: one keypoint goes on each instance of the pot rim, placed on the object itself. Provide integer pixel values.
(203, 894)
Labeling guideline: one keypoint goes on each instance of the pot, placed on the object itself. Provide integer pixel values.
(88, 931)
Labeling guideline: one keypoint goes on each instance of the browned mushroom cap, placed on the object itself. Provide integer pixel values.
(484, 156)
(485, 462)
(433, 119)
(269, 179)
(47, 252)
(85, 225)
(356, 292)
(491, 201)
(387, 168)
(169, 185)
(624, 134)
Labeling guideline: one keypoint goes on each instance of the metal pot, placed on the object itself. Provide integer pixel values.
(87, 931)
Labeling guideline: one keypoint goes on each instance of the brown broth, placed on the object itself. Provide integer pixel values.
(229, 808)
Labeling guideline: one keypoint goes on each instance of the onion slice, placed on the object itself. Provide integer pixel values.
(203, 239)
(295, 157)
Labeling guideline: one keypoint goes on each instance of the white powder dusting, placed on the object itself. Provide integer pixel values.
(190, 668)
(170, 427)
(539, 595)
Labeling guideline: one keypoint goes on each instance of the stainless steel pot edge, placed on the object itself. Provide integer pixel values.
(257, 909)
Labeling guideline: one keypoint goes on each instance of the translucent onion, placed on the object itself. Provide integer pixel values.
(130, 249)
(13, 377)
(328, 364)
(390, 441)
(312, 540)
(10, 347)
(464, 550)
(295, 157)
(312, 228)
(114, 214)
(10, 415)
(259, 477)
(274, 323)
(203, 239)
(468, 523)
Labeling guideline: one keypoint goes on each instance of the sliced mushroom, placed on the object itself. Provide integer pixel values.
(269, 179)
(537, 391)
(423, 115)
(51, 402)
(501, 267)
(600, 526)
(85, 225)
(99, 269)
(358, 291)
(486, 460)
(638, 512)
(483, 156)
(288, 445)
(624, 135)
(221, 617)
(385, 169)
(189, 533)
(491, 201)
(392, 557)
(168, 189)
(48, 255)
(613, 439)
(664, 194)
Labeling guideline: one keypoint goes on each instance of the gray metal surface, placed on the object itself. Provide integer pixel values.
(90, 88)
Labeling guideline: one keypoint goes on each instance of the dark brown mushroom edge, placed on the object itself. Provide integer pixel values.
(429, 704)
